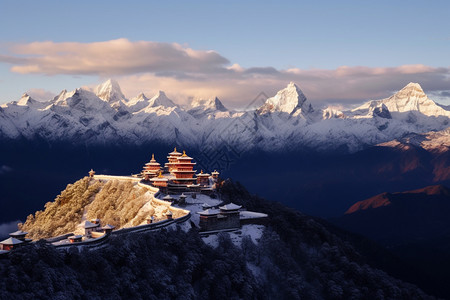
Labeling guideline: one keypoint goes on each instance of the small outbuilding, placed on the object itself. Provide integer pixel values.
(168, 198)
(10, 243)
(90, 227)
(20, 235)
(107, 229)
(75, 238)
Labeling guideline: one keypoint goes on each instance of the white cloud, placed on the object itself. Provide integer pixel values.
(41, 94)
(115, 57)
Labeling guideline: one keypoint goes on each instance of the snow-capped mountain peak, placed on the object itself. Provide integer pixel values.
(288, 100)
(285, 120)
(161, 99)
(208, 104)
(109, 91)
(413, 98)
(25, 100)
(409, 100)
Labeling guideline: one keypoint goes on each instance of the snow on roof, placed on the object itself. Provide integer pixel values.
(11, 241)
(88, 225)
(209, 212)
(183, 196)
(230, 206)
(18, 233)
(108, 227)
(251, 215)
(202, 175)
(167, 197)
(184, 158)
(158, 179)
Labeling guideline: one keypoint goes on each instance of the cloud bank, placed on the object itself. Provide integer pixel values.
(184, 72)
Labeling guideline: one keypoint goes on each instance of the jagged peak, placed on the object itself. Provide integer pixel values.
(109, 91)
(25, 100)
(287, 100)
(412, 89)
(141, 96)
(161, 99)
(211, 103)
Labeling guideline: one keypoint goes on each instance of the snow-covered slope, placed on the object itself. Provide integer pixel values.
(286, 121)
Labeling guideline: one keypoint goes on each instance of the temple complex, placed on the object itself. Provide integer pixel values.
(179, 175)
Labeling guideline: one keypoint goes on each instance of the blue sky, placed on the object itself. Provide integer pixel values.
(336, 51)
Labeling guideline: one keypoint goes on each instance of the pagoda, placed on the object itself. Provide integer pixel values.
(173, 160)
(183, 170)
(159, 181)
(151, 169)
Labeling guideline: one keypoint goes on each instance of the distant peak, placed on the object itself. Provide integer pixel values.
(25, 100)
(287, 100)
(109, 91)
(212, 104)
(161, 99)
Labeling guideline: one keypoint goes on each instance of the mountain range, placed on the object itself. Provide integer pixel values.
(286, 121)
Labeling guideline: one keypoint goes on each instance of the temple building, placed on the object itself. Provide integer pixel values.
(203, 178)
(159, 181)
(215, 174)
(173, 160)
(10, 243)
(90, 227)
(183, 171)
(226, 217)
(20, 235)
(151, 169)
(107, 229)
(179, 175)
(75, 238)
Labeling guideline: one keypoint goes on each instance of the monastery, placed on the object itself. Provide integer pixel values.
(178, 175)
(178, 185)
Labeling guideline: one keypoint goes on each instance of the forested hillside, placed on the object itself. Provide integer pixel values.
(296, 258)
(114, 202)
